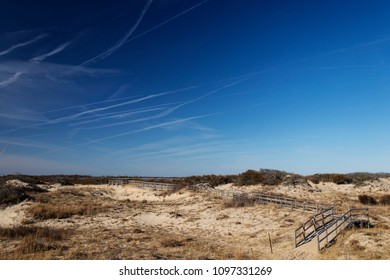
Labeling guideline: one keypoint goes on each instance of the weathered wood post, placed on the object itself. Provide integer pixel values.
(295, 238)
(318, 242)
(270, 243)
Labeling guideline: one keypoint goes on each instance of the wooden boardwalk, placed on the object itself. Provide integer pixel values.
(261, 198)
(139, 183)
(318, 232)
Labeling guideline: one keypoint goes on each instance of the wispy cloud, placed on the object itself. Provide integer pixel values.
(118, 115)
(10, 80)
(164, 124)
(16, 114)
(172, 123)
(100, 109)
(47, 82)
(118, 44)
(332, 52)
(3, 151)
(175, 108)
(14, 47)
(27, 143)
(85, 105)
(42, 57)
(166, 21)
(121, 90)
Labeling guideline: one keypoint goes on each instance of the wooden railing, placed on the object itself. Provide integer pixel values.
(325, 226)
(154, 185)
(262, 198)
(293, 204)
(308, 229)
(330, 232)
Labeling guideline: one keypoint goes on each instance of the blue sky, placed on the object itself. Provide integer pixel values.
(178, 88)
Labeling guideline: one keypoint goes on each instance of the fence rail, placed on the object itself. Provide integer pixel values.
(149, 184)
(329, 233)
(262, 198)
(325, 226)
(308, 229)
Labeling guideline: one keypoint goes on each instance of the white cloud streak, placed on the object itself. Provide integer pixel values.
(10, 80)
(119, 116)
(42, 57)
(166, 21)
(118, 44)
(14, 47)
(78, 115)
(85, 105)
(171, 110)
(165, 124)
(27, 143)
(3, 151)
(121, 90)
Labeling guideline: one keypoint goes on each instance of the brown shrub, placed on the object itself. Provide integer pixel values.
(385, 199)
(45, 211)
(171, 242)
(355, 245)
(33, 239)
(32, 245)
(18, 232)
(239, 201)
(222, 217)
(367, 199)
(12, 195)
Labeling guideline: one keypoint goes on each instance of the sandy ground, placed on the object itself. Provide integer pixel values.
(142, 223)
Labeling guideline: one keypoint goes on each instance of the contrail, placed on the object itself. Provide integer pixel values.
(78, 115)
(153, 127)
(84, 105)
(42, 57)
(119, 91)
(118, 44)
(10, 80)
(328, 53)
(118, 116)
(3, 151)
(171, 110)
(166, 21)
(75, 116)
(37, 38)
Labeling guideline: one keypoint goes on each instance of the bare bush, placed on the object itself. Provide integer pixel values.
(45, 211)
(367, 199)
(385, 199)
(171, 242)
(12, 195)
(18, 232)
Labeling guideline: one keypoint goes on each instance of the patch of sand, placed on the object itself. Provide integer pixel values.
(13, 215)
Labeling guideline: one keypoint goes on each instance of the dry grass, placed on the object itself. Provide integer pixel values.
(171, 242)
(45, 211)
(28, 231)
(32, 240)
(239, 202)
